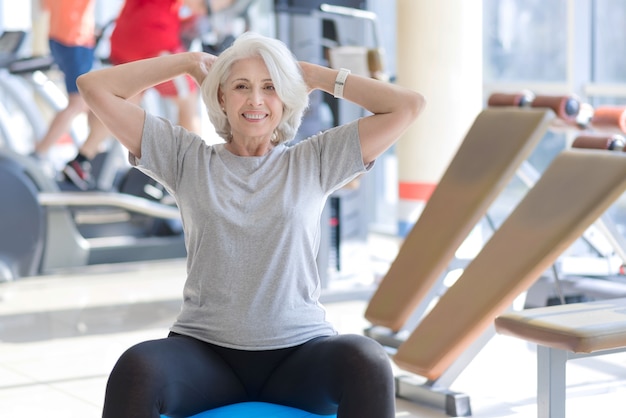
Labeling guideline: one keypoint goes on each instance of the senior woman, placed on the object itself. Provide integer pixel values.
(251, 327)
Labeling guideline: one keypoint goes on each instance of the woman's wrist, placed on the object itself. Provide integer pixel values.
(318, 77)
(340, 82)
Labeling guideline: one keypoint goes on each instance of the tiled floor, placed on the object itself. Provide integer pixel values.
(60, 335)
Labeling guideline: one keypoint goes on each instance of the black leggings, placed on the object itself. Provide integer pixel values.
(180, 376)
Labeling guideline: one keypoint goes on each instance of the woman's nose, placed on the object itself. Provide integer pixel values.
(255, 97)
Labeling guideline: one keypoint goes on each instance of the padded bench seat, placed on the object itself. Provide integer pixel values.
(562, 333)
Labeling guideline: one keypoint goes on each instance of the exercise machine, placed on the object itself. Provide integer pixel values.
(27, 95)
(461, 199)
(45, 230)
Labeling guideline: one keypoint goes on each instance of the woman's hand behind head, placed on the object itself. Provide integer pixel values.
(204, 63)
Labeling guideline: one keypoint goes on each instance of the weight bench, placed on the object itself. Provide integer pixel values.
(499, 140)
(577, 187)
(256, 410)
(497, 143)
(566, 332)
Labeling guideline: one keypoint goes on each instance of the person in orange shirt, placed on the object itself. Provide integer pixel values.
(72, 42)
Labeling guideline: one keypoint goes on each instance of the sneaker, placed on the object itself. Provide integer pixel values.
(79, 174)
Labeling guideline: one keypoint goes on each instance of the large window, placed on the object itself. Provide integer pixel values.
(609, 41)
(525, 40)
(567, 46)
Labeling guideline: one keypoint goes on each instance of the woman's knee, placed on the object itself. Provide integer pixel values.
(135, 383)
(363, 347)
(366, 378)
(364, 357)
(138, 364)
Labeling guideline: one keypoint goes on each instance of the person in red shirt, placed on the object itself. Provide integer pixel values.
(150, 28)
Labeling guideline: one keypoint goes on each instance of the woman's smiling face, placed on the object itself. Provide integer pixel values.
(248, 96)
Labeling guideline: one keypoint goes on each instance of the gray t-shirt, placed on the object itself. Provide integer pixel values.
(252, 231)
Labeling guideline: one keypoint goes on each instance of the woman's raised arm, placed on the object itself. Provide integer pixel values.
(109, 92)
(393, 108)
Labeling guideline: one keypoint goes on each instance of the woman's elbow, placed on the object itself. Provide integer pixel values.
(416, 104)
(83, 83)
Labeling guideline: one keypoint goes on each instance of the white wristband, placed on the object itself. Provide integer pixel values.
(340, 81)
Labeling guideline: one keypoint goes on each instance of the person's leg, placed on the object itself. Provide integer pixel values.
(97, 134)
(61, 123)
(351, 373)
(177, 376)
(72, 61)
(78, 170)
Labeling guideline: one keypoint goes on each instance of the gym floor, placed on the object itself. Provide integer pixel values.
(61, 334)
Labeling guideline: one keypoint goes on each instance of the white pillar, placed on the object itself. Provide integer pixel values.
(439, 54)
(40, 20)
